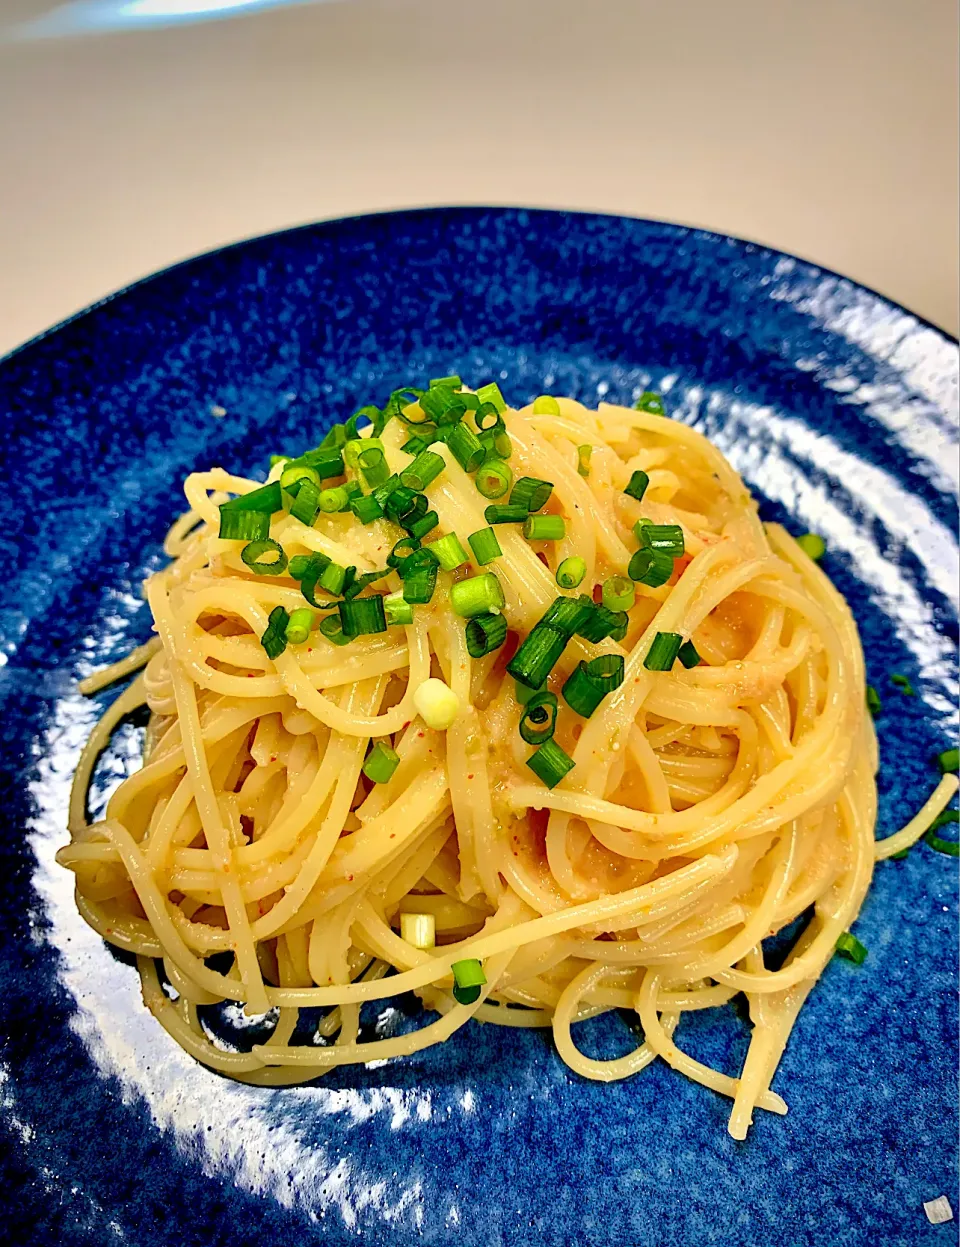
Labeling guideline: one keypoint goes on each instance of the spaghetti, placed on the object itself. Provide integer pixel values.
(305, 797)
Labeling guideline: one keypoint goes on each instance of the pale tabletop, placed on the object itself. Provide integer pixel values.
(827, 128)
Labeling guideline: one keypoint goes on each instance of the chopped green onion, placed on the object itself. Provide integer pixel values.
(651, 402)
(397, 609)
(539, 719)
(373, 466)
(381, 762)
(637, 485)
(414, 445)
(419, 575)
(274, 640)
(399, 403)
(687, 653)
(452, 382)
(267, 498)
(357, 586)
(383, 492)
(812, 545)
(545, 528)
(491, 394)
(650, 567)
(537, 655)
(484, 634)
(298, 472)
(449, 552)
(874, 704)
(484, 545)
(352, 427)
(335, 438)
(849, 946)
(477, 596)
(618, 593)
(567, 615)
(307, 503)
(903, 684)
(948, 761)
(590, 682)
(399, 502)
(493, 479)
(425, 524)
(366, 509)
(352, 450)
(299, 625)
(663, 652)
(327, 461)
(665, 537)
(244, 525)
(571, 572)
(600, 623)
(419, 930)
(487, 418)
(437, 704)
(275, 459)
(504, 513)
(943, 819)
(442, 404)
(549, 763)
(468, 978)
(298, 566)
(332, 630)
(402, 551)
(530, 492)
(252, 556)
(309, 573)
(523, 693)
(583, 458)
(362, 616)
(545, 405)
(425, 468)
(334, 500)
(465, 447)
(333, 578)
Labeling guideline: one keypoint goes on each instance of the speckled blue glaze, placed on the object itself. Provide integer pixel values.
(839, 408)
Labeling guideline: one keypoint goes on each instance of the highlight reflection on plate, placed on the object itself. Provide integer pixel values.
(840, 411)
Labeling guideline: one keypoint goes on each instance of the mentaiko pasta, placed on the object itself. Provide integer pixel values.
(356, 783)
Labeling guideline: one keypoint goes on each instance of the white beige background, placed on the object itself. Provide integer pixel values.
(825, 127)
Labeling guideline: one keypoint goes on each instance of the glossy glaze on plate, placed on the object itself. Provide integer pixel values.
(840, 410)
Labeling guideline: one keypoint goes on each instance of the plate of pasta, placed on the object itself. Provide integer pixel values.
(480, 747)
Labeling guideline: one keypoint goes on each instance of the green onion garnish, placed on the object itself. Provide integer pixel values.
(263, 501)
(298, 566)
(637, 485)
(414, 445)
(425, 524)
(331, 629)
(531, 493)
(309, 569)
(425, 468)
(362, 616)
(650, 567)
(252, 556)
(688, 655)
(327, 461)
(618, 593)
(381, 762)
(402, 551)
(452, 382)
(549, 763)
(491, 394)
(539, 719)
(537, 655)
(523, 693)
(419, 575)
(477, 596)
(590, 682)
(545, 528)
(493, 479)
(401, 502)
(504, 513)
(484, 545)
(583, 459)
(449, 552)
(373, 466)
(850, 947)
(335, 499)
(663, 652)
(468, 978)
(274, 640)
(812, 545)
(903, 684)
(571, 572)
(352, 449)
(948, 761)
(874, 704)
(600, 623)
(665, 537)
(352, 428)
(244, 525)
(383, 492)
(465, 447)
(442, 404)
(357, 586)
(567, 615)
(366, 509)
(298, 472)
(485, 633)
(546, 405)
(943, 819)
(307, 503)
(334, 439)
(333, 578)
(299, 625)
(397, 610)
(651, 402)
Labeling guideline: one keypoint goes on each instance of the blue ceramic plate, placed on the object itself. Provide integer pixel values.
(840, 411)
